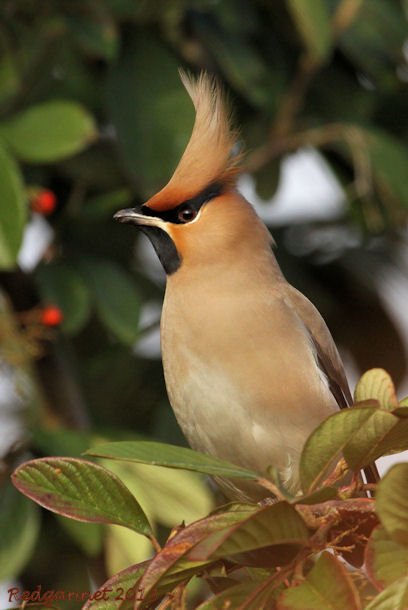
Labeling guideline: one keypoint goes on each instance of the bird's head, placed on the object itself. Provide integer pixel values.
(199, 216)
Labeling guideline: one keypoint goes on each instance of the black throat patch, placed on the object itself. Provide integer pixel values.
(164, 247)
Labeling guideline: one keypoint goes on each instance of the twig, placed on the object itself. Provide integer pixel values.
(276, 579)
(293, 100)
(344, 16)
(267, 484)
(155, 543)
(338, 472)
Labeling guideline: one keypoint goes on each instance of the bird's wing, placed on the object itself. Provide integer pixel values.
(328, 357)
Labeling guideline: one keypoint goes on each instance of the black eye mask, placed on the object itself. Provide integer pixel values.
(187, 210)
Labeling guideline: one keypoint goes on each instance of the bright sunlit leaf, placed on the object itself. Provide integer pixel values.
(392, 503)
(377, 384)
(394, 597)
(386, 559)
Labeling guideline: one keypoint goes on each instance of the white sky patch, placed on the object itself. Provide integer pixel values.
(307, 190)
(148, 346)
(38, 236)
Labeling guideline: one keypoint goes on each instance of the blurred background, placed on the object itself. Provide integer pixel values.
(93, 118)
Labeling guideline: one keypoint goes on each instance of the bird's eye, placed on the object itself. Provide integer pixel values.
(186, 213)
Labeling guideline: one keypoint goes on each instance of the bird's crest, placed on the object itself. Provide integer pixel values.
(208, 156)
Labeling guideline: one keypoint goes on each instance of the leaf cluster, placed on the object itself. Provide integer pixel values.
(330, 546)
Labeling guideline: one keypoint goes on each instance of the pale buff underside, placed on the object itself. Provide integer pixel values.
(235, 394)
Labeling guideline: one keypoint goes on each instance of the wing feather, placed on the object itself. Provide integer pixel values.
(328, 358)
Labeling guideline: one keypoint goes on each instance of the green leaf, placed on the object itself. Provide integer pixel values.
(267, 180)
(313, 22)
(392, 503)
(19, 528)
(253, 595)
(153, 116)
(62, 285)
(379, 436)
(394, 597)
(120, 591)
(172, 564)
(276, 524)
(389, 159)
(170, 456)
(96, 32)
(377, 384)
(360, 434)
(385, 559)
(49, 132)
(374, 42)
(333, 437)
(116, 298)
(80, 490)
(326, 587)
(240, 62)
(12, 210)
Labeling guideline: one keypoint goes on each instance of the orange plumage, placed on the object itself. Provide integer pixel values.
(208, 156)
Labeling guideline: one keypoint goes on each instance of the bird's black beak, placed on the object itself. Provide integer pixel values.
(133, 216)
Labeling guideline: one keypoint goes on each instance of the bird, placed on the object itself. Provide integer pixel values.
(250, 366)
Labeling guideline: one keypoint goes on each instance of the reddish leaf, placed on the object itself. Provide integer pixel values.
(228, 533)
(80, 490)
(246, 596)
(276, 524)
(120, 591)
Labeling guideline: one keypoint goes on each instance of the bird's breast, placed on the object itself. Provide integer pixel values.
(242, 378)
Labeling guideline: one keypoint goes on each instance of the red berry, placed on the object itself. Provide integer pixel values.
(51, 316)
(44, 202)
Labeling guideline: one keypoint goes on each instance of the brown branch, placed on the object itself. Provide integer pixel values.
(344, 16)
(267, 484)
(293, 100)
(155, 543)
